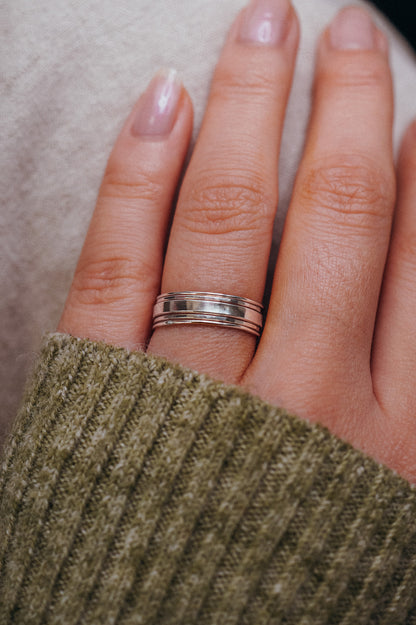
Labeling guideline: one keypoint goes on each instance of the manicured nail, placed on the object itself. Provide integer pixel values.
(265, 22)
(353, 29)
(159, 106)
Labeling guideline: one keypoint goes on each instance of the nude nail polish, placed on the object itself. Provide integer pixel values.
(158, 107)
(265, 22)
(353, 29)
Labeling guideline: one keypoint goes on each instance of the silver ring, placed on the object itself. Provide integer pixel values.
(219, 309)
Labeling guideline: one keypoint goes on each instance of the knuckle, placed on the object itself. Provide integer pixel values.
(357, 75)
(228, 84)
(118, 185)
(216, 207)
(352, 192)
(101, 283)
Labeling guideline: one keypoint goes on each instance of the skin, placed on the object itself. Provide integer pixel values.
(339, 341)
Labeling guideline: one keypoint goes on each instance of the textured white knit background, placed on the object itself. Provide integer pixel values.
(70, 73)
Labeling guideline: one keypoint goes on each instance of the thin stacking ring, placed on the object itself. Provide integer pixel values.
(231, 311)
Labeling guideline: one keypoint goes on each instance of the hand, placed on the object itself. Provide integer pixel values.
(339, 341)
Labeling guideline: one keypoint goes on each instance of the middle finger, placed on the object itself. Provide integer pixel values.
(331, 259)
(222, 230)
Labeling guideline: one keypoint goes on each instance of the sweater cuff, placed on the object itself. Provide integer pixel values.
(136, 491)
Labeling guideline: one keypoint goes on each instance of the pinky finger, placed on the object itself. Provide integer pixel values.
(119, 270)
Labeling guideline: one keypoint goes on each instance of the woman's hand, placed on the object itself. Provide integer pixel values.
(339, 341)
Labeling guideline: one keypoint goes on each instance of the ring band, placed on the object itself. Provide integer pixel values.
(183, 307)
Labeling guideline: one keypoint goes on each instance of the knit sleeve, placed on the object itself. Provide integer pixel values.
(136, 492)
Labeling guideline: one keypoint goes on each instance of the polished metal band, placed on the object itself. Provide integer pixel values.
(208, 308)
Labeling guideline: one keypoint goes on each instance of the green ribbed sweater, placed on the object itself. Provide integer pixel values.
(137, 492)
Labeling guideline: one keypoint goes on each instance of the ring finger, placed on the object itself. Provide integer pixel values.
(221, 233)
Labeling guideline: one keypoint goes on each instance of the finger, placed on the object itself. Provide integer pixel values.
(118, 274)
(394, 352)
(222, 229)
(324, 300)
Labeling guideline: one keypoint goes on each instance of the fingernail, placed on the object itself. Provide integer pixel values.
(159, 105)
(353, 29)
(265, 22)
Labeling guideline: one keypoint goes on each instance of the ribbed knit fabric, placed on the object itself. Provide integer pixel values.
(137, 492)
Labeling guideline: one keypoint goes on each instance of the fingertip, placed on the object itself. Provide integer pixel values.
(157, 109)
(266, 24)
(353, 30)
(158, 129)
